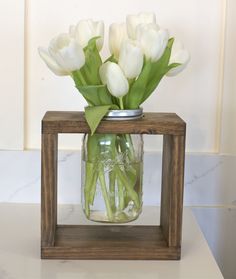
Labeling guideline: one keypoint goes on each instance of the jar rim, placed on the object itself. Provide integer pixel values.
(124, 114)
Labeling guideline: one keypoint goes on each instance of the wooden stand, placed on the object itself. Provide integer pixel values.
(115, 242)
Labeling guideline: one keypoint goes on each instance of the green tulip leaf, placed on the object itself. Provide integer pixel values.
(111, 59)
(173, 65)
(148, 80)
(92, 63)
(94, 115)
(95, 95)
(159, 70)
(135, 96)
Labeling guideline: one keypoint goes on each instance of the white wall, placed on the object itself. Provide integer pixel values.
(204, 95)
(12, 74)
(196, 94)
(228, 131)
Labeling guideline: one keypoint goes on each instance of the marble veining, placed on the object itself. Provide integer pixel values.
(209, 179)
(209, 182)
(64, 157)
(205, 173)
(32, 183)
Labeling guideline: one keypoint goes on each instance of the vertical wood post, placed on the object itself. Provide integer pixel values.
(103, 242)
(172, 188)
(48, 189)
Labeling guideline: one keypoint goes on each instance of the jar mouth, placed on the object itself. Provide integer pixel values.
(124, 114)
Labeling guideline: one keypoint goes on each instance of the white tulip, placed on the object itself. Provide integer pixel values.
(103, 72)
(152, 40)
(178, 55)
(133, 21)
(117, 34)
(131, 59)
(51, 63)
(67, 53)
(86, 30)
(112, 75)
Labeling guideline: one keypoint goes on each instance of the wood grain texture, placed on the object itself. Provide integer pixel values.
(172, 188)
(110, 242)
(115, 242)
(48, 188)
(151, 123)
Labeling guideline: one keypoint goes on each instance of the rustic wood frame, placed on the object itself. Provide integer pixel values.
(115, 242)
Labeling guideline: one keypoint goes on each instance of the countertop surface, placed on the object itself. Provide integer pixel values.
(20, 250)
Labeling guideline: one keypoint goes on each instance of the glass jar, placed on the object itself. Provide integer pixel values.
(112, 174)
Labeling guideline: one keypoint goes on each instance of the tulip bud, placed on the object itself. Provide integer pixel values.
(178, 55)
(117, 34)
(67, 53)
(112, 75)
(133, 21)
(131, 59)
(152, 40)
(51, 63)
(86, 30)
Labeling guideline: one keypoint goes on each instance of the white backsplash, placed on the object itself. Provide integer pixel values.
(209, 179)
(210, 182)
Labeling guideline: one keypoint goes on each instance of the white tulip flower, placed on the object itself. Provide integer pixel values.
(178, 55)
(133, 21)
(51, 63)
(66, 53)
(86, 30)
(131, 59)
(112, 76)
(117, 34)
(153, 40)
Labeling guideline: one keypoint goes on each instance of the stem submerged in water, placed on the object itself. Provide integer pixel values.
(105, 194)
(112, 184)
(121, 197)
(114, 155)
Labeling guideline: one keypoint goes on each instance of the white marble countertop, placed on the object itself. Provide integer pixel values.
(20, 250)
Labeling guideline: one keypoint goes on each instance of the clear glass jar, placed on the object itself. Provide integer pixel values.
(112, 175)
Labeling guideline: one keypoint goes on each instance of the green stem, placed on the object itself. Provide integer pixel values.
(131, 147)
(121, 205)
(105, 194)
(131, 192)
(112, 183)
(93, 188)
(88, 183)
(121, 103)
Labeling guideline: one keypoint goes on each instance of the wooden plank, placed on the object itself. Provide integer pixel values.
(151, 123)
(110, 242)
(115, 242)
(172, 188)
(48, 189)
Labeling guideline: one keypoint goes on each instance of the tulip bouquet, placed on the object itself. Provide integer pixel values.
(141, 55)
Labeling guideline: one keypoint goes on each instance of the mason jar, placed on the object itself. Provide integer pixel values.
(112, 173)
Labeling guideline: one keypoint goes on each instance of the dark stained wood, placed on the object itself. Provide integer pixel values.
(48, 189)
(115, 242)
(172, 188)
(151, 123)
(110, 242)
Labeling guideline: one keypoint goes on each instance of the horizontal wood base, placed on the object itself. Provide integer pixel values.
(115, 242)
(120, 242)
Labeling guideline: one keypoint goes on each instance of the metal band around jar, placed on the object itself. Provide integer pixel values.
(126, 114)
